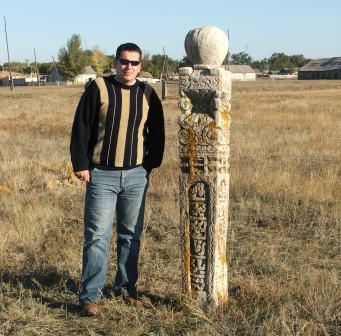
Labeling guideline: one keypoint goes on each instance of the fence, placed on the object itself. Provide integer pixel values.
(170, 89)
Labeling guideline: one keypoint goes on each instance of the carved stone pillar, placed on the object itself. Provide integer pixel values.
(205, 93)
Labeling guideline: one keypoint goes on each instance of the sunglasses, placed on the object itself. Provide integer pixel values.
(124, 61)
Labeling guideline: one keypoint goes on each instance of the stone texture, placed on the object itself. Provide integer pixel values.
(206, 46)
(205, 94)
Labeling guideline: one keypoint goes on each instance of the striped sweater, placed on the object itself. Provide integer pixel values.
(117, 126)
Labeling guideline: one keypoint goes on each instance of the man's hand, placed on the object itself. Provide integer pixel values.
(83, 175)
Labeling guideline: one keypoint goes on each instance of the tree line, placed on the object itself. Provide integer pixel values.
(275, 62)
(72, 59)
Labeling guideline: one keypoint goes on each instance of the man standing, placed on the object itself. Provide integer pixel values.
(117, 139)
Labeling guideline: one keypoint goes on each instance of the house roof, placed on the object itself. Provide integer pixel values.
(322, 64)
(145, 74)
(57, 68)
(236, 68)
(88, 70)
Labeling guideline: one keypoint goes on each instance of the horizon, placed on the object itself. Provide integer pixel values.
(259, 29)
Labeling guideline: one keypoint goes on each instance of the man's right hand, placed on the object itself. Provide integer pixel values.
(83, 175)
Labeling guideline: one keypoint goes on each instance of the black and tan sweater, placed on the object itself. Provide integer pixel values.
(117, 126)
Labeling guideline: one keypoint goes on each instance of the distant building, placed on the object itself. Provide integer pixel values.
(19, 79)
(284, 73)
(147, 77)
(241, 72)
(57, 75)
(87, 75)
(323, 68)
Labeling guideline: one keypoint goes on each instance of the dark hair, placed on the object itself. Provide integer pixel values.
(128, 47)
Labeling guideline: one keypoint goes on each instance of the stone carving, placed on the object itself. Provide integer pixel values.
(198, 203)
(205, 93)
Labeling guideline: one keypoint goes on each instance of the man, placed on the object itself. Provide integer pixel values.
(117, 139)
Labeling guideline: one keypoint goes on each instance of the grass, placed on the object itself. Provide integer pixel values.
(284, 220)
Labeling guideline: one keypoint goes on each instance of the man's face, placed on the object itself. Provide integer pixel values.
(126, 72)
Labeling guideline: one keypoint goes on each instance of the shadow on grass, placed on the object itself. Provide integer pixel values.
(47, 287)
(57, 290)
(168, 301)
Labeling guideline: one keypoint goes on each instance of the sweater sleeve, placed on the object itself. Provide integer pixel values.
(81, 128)
(154, 134)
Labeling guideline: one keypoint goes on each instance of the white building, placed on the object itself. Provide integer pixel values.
(18, 79)
(87, 75)
(145, 76)
(241, 72)
(57, 76)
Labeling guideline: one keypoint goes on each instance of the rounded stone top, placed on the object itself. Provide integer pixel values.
(206, 46)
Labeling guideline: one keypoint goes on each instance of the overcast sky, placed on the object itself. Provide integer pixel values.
(308, 27)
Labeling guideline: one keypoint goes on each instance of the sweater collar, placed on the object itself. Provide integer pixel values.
(125, 86)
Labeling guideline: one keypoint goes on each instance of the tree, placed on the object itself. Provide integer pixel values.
(148, 65)
(72, 58)
(299, 60)
(155, 64)
(157, 61)
(241, 58)
(112, 57)
(261, 65)
(278, 61)
(45, 68)
(100, 62)
(87, 55)
(173, 65)
(16, 66)
(185, 62)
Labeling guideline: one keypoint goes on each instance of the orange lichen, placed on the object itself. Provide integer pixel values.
(221, 297)
(4, 189)
(225, 115)
(187, 257)
(191, 149)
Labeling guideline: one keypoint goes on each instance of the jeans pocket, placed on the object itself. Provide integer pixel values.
(92, 172)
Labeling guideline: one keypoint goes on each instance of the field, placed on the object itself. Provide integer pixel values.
(284, 220)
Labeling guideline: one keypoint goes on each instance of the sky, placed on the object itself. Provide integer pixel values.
(260, 28)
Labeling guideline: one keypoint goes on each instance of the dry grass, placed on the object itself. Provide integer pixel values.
(284, 237)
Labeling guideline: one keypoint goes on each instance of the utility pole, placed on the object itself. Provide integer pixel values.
(165, 80)
(9, 61)
(35, 62)
(165, 62)
(55, 66)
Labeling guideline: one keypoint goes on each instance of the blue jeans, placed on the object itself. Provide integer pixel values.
(123, 192)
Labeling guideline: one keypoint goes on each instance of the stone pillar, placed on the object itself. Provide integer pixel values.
(164, 89)
(205, 93)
